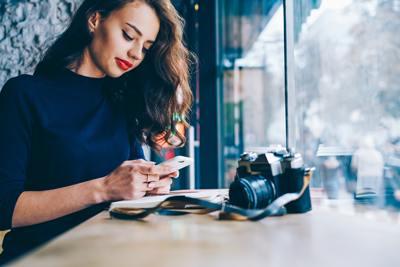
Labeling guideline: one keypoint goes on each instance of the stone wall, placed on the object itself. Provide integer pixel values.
(27, 27)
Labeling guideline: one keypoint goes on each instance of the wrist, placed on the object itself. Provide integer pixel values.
(99, 191)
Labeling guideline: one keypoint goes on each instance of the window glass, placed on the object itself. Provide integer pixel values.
(253, 78)
(347, 67)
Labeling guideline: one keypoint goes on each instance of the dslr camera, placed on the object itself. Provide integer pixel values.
(265, 174)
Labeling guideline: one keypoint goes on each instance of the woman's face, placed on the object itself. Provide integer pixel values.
(121, 41)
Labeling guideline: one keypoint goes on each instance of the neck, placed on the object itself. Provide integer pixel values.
(86, 67)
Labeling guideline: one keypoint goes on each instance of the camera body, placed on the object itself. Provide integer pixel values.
(265, 174)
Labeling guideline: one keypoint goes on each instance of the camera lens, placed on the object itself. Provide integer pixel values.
(252, 192)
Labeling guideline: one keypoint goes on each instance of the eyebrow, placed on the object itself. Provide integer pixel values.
(138, 31)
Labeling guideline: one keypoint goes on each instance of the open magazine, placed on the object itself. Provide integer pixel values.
(212, 195)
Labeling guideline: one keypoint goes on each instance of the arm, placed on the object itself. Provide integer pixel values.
(39, 206)
(21, 208)
(128, 181)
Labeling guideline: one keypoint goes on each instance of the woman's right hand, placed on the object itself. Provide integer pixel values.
(130, 181)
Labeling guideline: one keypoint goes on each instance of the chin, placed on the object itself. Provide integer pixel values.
(115, 73)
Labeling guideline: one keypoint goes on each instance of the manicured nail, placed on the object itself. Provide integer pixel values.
(151, 185)
(172, 170)
(149, 162)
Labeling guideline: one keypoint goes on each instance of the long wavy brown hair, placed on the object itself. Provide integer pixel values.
(150, 91)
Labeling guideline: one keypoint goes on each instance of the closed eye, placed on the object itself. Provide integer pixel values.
(127, 37)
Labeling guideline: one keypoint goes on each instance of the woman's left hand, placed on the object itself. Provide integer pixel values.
(163, 185)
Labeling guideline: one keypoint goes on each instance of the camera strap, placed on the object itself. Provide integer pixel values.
(171, 206)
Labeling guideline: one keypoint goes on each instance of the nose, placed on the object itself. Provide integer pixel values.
(136, 51)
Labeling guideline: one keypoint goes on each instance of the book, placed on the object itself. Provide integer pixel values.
(213, 195)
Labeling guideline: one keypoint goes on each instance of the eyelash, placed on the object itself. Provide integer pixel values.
(127, 37)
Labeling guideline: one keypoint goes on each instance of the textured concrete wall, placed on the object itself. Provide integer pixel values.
(26, 29)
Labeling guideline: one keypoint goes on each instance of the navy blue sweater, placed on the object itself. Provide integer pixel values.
(56, 130)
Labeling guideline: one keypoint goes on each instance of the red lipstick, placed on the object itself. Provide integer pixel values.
(123, 63)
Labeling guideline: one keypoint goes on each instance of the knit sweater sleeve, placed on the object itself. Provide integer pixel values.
(16, 133)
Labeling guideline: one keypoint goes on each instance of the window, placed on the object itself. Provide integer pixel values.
(347, 86)
(253, 79)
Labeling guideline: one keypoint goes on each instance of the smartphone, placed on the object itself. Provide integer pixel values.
(177, 162)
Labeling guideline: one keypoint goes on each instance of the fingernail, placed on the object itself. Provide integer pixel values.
(151, 185)
(172, 170)
(149, 162)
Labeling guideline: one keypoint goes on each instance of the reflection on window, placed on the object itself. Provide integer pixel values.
(347, 56)
(253, 83)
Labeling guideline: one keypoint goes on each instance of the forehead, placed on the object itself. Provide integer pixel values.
(141, 16)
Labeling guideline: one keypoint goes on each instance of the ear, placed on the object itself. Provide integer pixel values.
(94, 21)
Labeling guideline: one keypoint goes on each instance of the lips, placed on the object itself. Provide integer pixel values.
(123, 63)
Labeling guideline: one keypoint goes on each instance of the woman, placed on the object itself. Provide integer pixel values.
(70, 134)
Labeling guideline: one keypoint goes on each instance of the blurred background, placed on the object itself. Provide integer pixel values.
(346, 77)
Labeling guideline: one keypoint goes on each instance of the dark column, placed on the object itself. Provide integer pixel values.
(208, 100)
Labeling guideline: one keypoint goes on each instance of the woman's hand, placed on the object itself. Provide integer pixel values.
(163, 185)
(130, 180)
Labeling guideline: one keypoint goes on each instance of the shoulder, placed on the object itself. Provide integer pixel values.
(25, 79)
(16, 96)
(22, 84)
(15, 87)
(22, 91)
(26, 85)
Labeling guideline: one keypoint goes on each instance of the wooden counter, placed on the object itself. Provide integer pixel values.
(318, 238)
